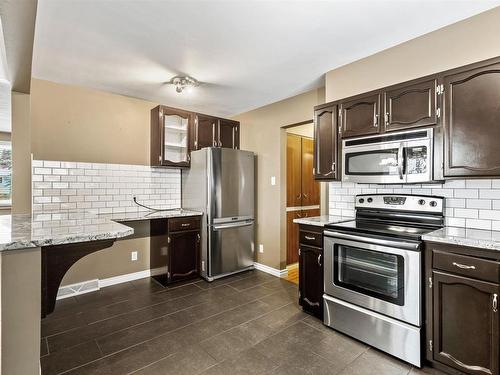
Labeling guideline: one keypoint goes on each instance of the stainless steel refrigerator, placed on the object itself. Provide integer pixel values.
(220, 183)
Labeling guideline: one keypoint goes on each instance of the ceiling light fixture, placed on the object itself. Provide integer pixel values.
(184, 83)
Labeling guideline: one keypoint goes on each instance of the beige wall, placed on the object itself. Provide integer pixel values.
(21, 154)
(468, 41)
(20, 273)
(72, 123)
(306, 130)
(262, 133)
(110, 262)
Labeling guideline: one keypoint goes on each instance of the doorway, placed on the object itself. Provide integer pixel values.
(302, 191)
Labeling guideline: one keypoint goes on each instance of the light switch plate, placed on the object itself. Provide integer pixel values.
(273, 180)
(133, 255)
(261, 248)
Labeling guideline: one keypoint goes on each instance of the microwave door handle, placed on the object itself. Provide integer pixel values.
(400, 160)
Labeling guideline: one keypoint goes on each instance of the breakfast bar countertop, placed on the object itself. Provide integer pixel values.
(21, 231)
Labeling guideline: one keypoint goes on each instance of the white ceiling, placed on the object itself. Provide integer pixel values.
(248, 53)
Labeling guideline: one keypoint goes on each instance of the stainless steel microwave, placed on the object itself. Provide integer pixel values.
(395, 158)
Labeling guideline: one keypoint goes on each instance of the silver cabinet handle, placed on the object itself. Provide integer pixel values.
(333, 167)
(464, 266)
(386, 119)
(375, 121)
(309, 238)
(299, 195)
(298, 215)
(319, 260)
(185, 225)
(400, 161)
(495, 302)
(305, 195)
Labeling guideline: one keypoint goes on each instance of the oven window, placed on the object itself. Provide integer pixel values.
(416, 159)
(376, 274)
(372, 163)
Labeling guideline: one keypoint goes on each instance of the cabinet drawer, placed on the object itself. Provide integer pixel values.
(311, 238)
(183, 223)
(472, 267)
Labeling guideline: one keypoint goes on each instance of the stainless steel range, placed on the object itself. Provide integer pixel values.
(373, 271)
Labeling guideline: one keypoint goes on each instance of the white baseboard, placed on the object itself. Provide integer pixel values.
(270, 270)
(96, 284)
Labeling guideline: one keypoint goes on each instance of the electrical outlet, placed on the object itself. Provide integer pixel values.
(261, 248)
(133, 255)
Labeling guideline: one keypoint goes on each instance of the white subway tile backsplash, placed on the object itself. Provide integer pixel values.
(107, 188)
(469, 203)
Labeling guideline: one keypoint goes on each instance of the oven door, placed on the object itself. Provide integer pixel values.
(374, 274)
(380, 163)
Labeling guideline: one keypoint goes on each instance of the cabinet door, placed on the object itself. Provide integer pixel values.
(205, 132)
(311, 280)
(409, 106)
(310, 187)
(170, 137)
(293, 170)
(292, 237)
(325, 143)
(465, 321)
(361, 116)
(183, 254)
(228, 134)
(472, 120)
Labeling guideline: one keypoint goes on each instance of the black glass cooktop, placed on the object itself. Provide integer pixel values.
(383, 228)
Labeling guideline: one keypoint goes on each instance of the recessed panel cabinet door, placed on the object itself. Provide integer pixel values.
(183, 250)
(361, 116)
(292, 237)
(311, 279)
(465, 318)
(325, 143)
(472, 121)
(293, 171)
(408, 106)
(228, 135)
(205, 132)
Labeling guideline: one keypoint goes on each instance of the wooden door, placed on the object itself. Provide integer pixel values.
(465, 323)
(293, 170)
(205, 132)
(311, 279)
(410, 105)
(472, 120)
(325, 143)
(292, 237)
(183, 254)
(360, 116)
(310, 187)
(227, 133)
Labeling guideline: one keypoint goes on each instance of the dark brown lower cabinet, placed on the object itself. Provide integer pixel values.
(462, 311)
(184, 249)
(311, 270)
(175, 249)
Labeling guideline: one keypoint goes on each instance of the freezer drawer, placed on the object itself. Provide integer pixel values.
(231, 247)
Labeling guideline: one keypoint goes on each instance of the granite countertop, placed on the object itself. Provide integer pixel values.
(321, 221)
(484, 239)
(63, 227)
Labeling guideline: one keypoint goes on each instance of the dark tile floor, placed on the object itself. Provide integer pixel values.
(244, 324)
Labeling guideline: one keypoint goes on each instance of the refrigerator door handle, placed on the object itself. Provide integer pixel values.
(232, 225)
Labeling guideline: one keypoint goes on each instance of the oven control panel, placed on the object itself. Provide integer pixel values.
(401, 202)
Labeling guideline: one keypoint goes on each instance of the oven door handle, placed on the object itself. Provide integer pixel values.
(373, 240)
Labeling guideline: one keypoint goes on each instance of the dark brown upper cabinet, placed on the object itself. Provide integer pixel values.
(215, 132)
(360, 115)
(326, 159)
(228, 134)
(170, 137)
(472, 120)
(465, 324)
(205, 130)
(410, 105)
